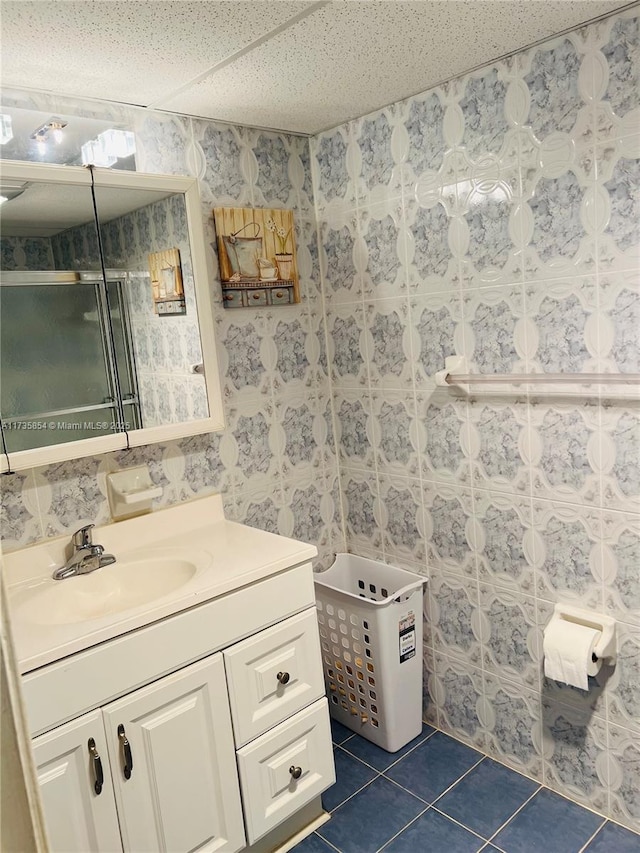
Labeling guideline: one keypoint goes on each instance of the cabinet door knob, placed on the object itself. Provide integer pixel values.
(127, 756)
(96, 764)
(283, 677)
(296, 772)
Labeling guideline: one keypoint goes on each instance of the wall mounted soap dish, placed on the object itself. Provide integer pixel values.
(131, 492)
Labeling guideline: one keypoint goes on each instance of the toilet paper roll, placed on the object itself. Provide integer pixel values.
(568, 648)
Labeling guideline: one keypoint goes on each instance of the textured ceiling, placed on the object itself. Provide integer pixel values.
(299, 66)
(46, 209)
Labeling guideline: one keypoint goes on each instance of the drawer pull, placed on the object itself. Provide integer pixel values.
(126, 752)
(296, 772)
(283, 677)
(96, 763)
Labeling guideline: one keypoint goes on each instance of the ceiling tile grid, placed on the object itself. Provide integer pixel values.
(295, 66)
(128, 50)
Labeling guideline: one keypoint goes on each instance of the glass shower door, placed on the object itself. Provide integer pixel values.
(57, 385)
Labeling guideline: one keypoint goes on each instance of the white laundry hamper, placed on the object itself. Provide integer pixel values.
(370, 621)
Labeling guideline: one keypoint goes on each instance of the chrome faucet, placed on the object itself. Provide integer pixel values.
(86, 557)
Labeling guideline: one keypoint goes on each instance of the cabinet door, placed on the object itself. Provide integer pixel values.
(182, 792)
(79, 820)
(274, 674)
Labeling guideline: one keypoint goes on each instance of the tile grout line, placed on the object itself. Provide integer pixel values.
(516, 812)
(319, 225)
(353, 755)
(411, 822)
(335, 742)
(586, 846)
(458, 823)
(379, 775)
(406, 790)
(490, 841)
(332, 846)
(443, 792)
(350, 797)
(499, 760)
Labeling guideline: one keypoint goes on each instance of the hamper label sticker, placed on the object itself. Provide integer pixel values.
(407, 636)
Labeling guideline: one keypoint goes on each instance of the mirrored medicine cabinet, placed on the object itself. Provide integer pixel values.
(106, 324)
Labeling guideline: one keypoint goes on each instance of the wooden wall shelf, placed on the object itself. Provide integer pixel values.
(255, 294)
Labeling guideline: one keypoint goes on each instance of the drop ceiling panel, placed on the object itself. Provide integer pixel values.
(346, 59)
(134, 51)
(299, 66)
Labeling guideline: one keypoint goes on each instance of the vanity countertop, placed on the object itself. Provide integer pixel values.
(221, 556)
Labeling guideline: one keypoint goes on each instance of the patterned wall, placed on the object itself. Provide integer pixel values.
(26, 253)
(498, 217)
(275, 463)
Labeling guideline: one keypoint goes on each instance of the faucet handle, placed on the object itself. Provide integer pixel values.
(82, 538)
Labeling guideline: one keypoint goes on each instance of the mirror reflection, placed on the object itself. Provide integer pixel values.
(151, 243)
(57, 373)
(82, 353)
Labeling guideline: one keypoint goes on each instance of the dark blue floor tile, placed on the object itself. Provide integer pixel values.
(313, 844)
(380, 758)
(339, 733)
(548, 822)
(614, 839)
(433, 766)
(370, 818)
(351, 775)
(433, 831)
(486, 797)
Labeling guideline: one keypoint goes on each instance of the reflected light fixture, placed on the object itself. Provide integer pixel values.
(41, 141)
(94, 154)
(6, 130)
(118, 143)
(56, 128)
(110, 146)
(41, 134)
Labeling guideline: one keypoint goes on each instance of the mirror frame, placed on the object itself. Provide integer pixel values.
(80, 176)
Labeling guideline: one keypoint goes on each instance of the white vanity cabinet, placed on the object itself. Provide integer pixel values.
(168, 768)
(211, 727)
(78, 819)
(181, 790)
(281, 721)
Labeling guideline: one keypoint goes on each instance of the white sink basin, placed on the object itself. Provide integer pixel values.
(122, 586)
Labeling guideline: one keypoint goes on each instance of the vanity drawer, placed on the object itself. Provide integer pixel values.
(274, 674)
(286, 768)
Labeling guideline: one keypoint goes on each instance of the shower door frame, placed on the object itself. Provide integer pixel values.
(115, 408)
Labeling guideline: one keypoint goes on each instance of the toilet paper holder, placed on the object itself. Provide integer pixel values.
(606, 645)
